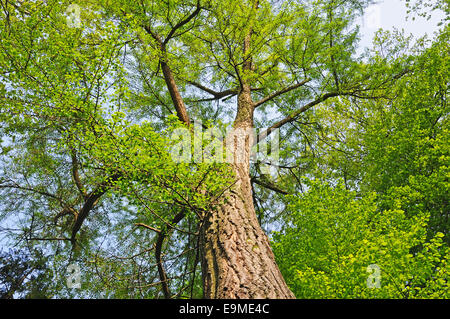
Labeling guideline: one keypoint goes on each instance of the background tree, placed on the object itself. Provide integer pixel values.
(380, 196)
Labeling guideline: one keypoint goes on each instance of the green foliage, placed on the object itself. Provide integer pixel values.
(332, 236)
(424, 8)
(24, 274)
(86, 120)
(379, 194)
(406, 143)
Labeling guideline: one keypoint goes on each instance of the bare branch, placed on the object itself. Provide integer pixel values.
(278, 93)
(158, 248)
(294, 115)
(90, 202)
(217, 95)
(171, 84)
(76, 175)
(269, 185)
(50, 239)
(148, 227)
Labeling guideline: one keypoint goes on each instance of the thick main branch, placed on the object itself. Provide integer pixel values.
(281, 92)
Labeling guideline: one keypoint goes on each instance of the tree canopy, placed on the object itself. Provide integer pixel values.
(96, 96)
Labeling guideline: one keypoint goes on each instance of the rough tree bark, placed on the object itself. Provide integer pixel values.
(237, 261)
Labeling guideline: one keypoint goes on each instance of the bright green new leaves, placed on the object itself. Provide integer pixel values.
(332, 237)
(142, 165)
(336, 238)
(406, 144)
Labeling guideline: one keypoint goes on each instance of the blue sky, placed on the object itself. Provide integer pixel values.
(389, 14)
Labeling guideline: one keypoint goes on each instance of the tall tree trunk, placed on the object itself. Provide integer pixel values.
(237, 261)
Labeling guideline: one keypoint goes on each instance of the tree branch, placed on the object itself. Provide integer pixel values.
(183, 22)
(50, 239)
(269, 186)
(89, 203)
(355, 93)
(169, 78)
(76, 175)
(217, 95)
(295, 114)
(30, 189)
(175, 93)
(153, 34)
(158, 248)
(148, 227)
(278, 93)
